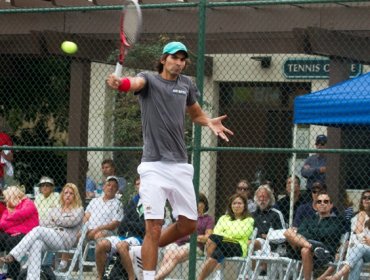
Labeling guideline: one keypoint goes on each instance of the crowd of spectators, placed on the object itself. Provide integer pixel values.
(312, 225)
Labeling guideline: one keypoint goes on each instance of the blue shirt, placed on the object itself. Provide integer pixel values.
(90, 185)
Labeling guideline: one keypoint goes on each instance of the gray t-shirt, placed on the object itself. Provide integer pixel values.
(163, 106)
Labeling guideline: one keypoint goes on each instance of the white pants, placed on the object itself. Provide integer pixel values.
(34, 243)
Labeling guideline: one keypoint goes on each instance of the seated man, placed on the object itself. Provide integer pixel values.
(309, 209)
(284, 203)
(325, 228)
(104, 213)
(266, 217)
(130, 233)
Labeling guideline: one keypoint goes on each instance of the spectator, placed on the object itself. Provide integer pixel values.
(131, 233)
(318, 235)
(6, 157)
(2, 208)
(358, 254)
(348, 207)
(104, 213)
(284, 203)
(309, 209)
(230, 235)
(19, 218)
(59, 233)
(178, 252)
(266, 216)
(359, 249)
(109, 169)
(91, 187)
(245, 188)
(314, 167)
(46, 199)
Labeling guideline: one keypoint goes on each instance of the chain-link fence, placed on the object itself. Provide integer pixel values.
(255, 61)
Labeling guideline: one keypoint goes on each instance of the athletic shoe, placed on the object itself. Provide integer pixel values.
(322, 255)
(135, 254)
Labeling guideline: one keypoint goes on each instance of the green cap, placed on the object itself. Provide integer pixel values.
(174, 47)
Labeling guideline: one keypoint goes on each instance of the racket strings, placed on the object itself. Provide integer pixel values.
(131, 23)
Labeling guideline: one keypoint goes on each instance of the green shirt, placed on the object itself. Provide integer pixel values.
(238, 231)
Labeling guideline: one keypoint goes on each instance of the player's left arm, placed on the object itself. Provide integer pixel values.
(198, 116)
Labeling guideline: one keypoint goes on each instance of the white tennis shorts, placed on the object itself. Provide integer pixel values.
(167, 180)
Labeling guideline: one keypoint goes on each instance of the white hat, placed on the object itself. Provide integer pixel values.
(46, 180)
(110, 178)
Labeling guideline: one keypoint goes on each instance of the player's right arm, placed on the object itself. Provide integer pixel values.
(126, 83)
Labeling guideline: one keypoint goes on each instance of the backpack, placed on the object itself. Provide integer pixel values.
(114, 269)
(46, 273)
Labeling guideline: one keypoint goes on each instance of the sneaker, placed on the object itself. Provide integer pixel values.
(135, 254)
(322, 254)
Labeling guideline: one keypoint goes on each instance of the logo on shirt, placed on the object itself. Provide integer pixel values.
(179, 91)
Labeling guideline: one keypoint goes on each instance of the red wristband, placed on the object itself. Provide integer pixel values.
(125, 85)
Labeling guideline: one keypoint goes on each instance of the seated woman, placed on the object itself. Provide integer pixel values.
(178, 252)
(359, 247)
(19, 217)
(59, 232)
(230, 235)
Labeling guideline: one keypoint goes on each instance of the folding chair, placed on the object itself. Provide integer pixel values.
(341, 251)
(91, 244)
(285, 266)
(77, 256)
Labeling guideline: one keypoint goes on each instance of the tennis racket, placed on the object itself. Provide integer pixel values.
(130, 26)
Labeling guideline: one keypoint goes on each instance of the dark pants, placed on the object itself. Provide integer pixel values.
(7, 243)
(224, 249)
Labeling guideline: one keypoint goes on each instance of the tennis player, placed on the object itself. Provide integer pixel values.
(164, 171)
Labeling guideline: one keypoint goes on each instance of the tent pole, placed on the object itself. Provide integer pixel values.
(291, 206)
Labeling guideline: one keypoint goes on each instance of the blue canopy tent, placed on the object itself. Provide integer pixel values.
(346, 103)
(343, 104)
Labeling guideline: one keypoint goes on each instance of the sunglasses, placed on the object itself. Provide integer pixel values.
(242, 189)
(325, 201)
(366, 197)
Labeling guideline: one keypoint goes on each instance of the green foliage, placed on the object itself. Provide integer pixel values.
(41, 85)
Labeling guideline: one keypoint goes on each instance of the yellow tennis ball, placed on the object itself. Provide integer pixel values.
(69, 47)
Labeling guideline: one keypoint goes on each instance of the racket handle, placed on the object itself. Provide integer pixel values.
(118, 71)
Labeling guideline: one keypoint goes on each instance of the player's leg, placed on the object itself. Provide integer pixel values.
(182, 227)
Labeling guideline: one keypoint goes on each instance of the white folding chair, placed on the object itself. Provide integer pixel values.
(91, 244)
(341, 252)
(278, 266)
(77, 256)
